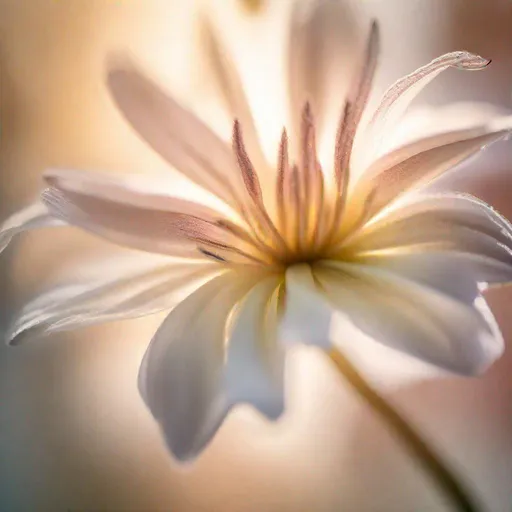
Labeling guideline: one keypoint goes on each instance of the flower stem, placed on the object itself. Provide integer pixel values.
(411, 439)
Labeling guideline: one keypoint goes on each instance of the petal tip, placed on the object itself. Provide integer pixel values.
(472, 62)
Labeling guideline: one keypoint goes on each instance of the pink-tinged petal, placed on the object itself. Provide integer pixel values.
(255, 361)
(320, 59)
(399, 96)
(134, 190)
(413, 318)
(175, 133)
(419, 163)
(127, 289)
(456, 209)
(230, 88)
(133, 218)
(355, 103)
(34, 216)
(181, 375)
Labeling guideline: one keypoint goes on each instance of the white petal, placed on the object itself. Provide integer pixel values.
(420, 162)
(321, 58)
(181, 374)
(175, 133)
(132, 289)
(456, 274)
(34, 216)
(307, 317)
(131, 217)
(255, 361)
(230, 89)
(467, 228)
(425, 121)
(399, 96)
(413, 318)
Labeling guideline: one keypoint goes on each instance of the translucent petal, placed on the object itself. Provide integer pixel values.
(132, 289)
(255, 361)
(420, 122)
(420, 162)
(321, 57)
(307, 316)
(131, 217)
(175, 133)
(459, 224)
(400, 95)
(34, 216)
(230, 88)
(181, 376)
(413, 318)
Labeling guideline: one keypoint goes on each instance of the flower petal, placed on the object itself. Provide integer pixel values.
(134, 218)
(132, 289)
(231, 90)
(32, 217)
(413, 318)
(420, 122)
(456, 274)
(175, 133)
(255, 361)
(420, 162)
(459, 224)
(355, 104)
(399, 96)
(181, 375)
(318, 68)
(307, 316)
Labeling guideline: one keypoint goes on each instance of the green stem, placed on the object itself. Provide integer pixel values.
(411, 439)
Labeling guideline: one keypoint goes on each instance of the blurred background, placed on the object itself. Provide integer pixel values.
(74, 434)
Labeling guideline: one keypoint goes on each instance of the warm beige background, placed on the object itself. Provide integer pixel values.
(73, 431)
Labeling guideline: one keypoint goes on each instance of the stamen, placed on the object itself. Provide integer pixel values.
(353, 111)
(251, 238)
(249, 176)
(312, 177)
(349, 122)
(253, 188)
(298, 219)
(283, 181)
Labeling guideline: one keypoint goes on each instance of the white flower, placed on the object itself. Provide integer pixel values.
(295, 245)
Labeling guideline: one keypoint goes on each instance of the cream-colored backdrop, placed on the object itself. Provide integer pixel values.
(74, 434)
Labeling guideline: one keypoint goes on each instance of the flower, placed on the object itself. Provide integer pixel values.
(293, 246)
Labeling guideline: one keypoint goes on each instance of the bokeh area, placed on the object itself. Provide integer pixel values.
(74, 433)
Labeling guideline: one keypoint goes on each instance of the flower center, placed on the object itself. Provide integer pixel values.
(303, 224)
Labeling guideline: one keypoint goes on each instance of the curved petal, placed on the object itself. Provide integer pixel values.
(34, 216)
(307, 316)
(254, 371)
(457, 274)
(399, 96)
(420, 162)
(450, 207)
(135, 190)
(175, 133)
(413, 318)
(424, 121)
(355, 104)
(133, 218)
(132, 289)
(231, 90)
(456, 223)
(181, 375)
